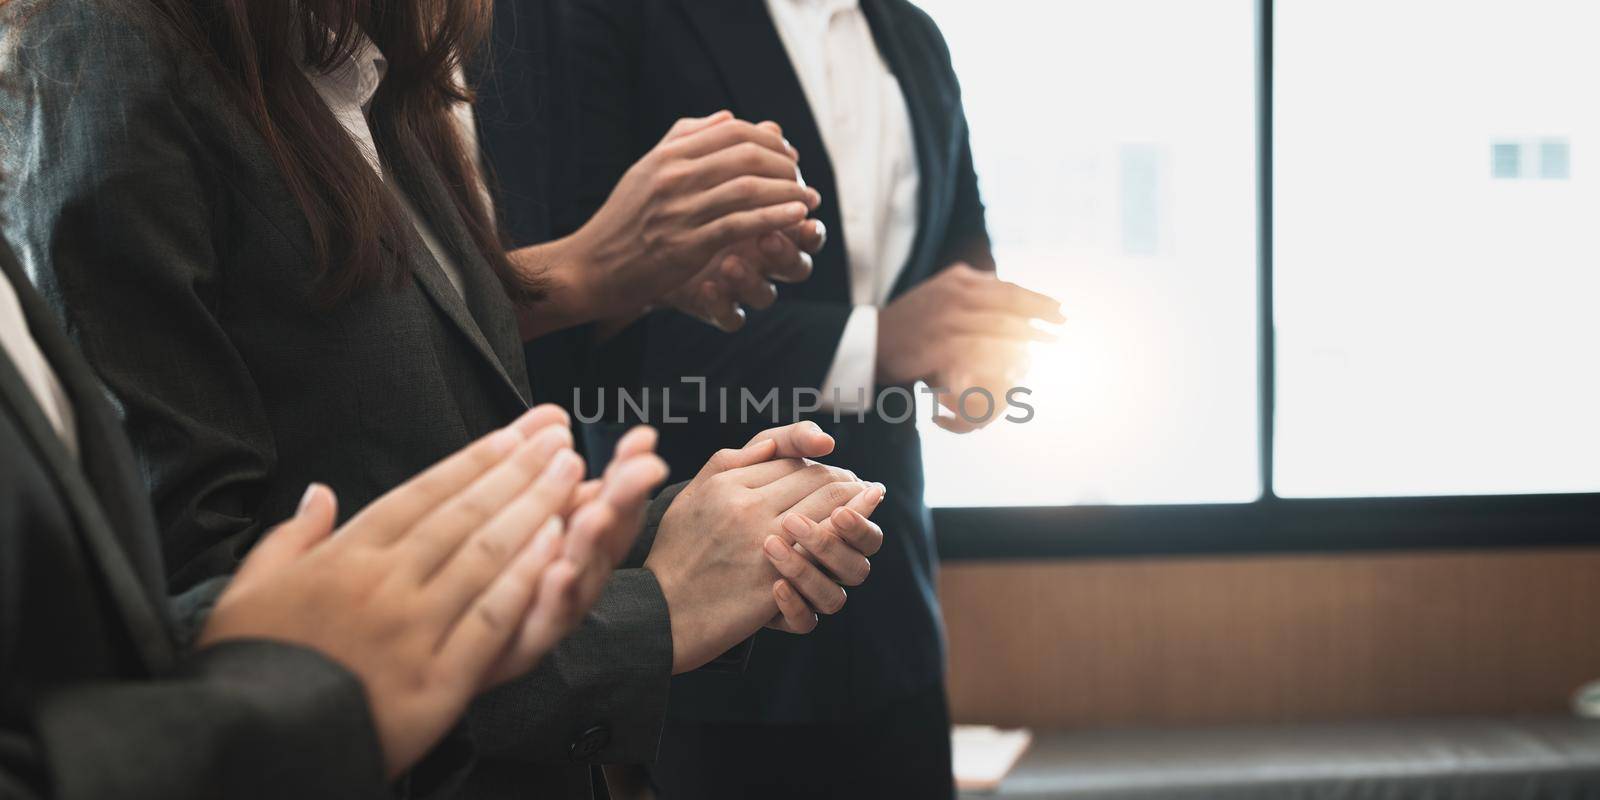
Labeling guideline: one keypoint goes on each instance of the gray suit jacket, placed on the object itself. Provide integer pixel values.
(148, 211)
(96, 699)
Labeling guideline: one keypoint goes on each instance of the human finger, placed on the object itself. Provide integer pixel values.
(794, 616)
(804, 439)
(437, 536)
(846, 564)
(389, 518)
(490, 549)
(819, 591)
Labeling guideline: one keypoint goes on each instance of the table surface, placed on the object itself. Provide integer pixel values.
(1561, 754)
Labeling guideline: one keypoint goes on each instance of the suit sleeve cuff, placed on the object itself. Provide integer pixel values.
(600, 697)
(652, 523)
(849, 382)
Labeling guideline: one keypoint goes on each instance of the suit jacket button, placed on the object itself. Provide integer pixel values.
(590, 743)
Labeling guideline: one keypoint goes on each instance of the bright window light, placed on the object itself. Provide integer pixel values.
(1437, 266)
(1116, 146)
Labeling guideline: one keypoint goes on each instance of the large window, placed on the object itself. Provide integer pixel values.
(1330, 266)
(1437, 269)
(1115, 140)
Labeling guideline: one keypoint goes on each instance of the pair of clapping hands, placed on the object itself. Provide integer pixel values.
(465, 576)
(762, 535)
(707, 222)
(747, 271)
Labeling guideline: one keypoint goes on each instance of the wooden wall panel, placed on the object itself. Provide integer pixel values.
(1269, 639)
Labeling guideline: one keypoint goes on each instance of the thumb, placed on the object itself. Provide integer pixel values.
(800, 440)
(688, 125)
(758, 450)
(311, 524)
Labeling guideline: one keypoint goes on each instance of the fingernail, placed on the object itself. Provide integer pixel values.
(545, 540)
(783, 590)
(841, 517)
(645, 436)
(305, 499)
(775, 548)
(565, 466)
(810, 427)
(795, 525)
(797, 210)
(814, 196)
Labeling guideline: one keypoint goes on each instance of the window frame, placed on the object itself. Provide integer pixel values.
(1270, 524)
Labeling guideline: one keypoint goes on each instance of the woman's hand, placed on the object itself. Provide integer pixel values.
(719, 583)
(842, 543)
(604, 517)
(422, 592)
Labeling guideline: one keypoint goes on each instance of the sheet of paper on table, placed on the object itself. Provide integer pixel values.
(984, 754)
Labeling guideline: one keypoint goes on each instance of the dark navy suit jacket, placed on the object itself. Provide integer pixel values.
(608, 78)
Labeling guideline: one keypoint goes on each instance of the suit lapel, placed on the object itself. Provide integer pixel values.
(273, 197)
(755, 67)
(104, 484)
(481, 311)
(914, 86)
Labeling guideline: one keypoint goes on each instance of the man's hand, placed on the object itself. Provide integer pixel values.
(747, 272)
(920, 332)
(992, 365)
(421, 593)
(963, 329)
(719, 583)
(708, 184)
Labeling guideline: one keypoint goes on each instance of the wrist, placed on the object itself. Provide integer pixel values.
(893, 363)
(591, 262)
(571, 295)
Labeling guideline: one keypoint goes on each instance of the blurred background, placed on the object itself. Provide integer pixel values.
(1320, 446)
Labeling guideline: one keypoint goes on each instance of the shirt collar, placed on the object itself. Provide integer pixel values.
(831, 7)
(356, 80)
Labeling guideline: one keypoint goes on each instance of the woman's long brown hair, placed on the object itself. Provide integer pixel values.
(256, 47)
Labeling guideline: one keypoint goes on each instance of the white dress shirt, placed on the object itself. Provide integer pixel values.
(347, 90)
(35, 369)
(866, 130)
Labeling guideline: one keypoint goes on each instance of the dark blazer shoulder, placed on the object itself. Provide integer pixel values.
(92, 45)
(911, 17)
(78, 72)
(914, 25)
